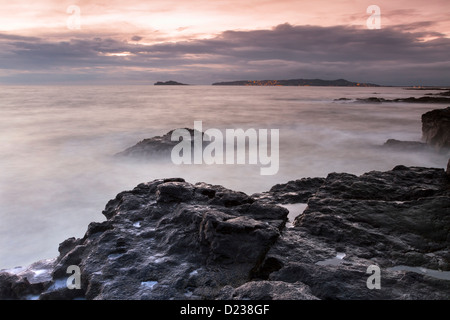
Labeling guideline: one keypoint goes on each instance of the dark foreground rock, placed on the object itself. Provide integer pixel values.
(296, 191)
(169, 239)
(400, 217)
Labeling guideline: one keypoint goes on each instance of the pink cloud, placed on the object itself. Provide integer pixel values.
(203, 18)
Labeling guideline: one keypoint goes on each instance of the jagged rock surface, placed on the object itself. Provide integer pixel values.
(388, 219)
(295, 191)
(169, 239)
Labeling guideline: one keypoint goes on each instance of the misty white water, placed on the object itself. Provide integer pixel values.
(57, 173)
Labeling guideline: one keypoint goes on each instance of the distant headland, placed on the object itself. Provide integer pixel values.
(297, 82)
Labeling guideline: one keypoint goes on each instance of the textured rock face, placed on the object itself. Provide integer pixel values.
(394, 218)
(169, 239)
(296, 191)
(268, 290)
(26, 283)
(436, 128)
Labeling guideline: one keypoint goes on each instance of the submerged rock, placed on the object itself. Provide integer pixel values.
(406, 145)
(169, 239)
(372, 100)
(425, 99)
(443, 94)
(159, 147)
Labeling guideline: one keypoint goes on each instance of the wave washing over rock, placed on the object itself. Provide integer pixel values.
(169, 239)
(435, 134)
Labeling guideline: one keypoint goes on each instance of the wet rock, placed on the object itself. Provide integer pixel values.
(400, 184)
(372, 100)
(26, 283)
(342, 99)
(268, 290)
(159, 147)
(295, 191)
(406, 145)
(174, 192)
(169, 239)
(399, 217)
(425, 99)
(443, 94)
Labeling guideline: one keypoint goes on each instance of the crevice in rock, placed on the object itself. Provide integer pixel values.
(263, 271)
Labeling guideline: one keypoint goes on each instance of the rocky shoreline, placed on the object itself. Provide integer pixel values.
(170, 239)
(428, 98)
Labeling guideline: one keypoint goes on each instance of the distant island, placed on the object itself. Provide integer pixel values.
(169, 83)
(297, 82)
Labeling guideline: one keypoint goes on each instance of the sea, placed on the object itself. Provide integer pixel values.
(57, 164)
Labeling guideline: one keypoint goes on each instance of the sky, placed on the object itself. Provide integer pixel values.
(84, 42)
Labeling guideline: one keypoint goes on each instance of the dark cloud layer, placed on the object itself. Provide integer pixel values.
(391, 56)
